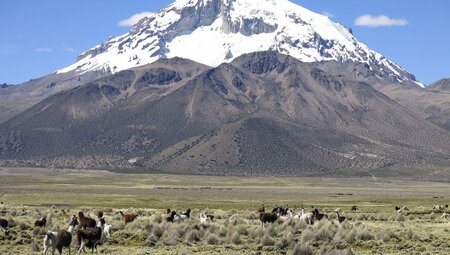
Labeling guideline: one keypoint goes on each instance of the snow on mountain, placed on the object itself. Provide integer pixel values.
(212, 32)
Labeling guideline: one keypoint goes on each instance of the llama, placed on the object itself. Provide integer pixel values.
(3, 225)
(306, 217)
(66, 216)
(289, 214)
(401, 209)
(128, 217)
(90, 237)
(171, 217)
(440, 207)
(340, 218)
(107, 230)
(59, 239)
(186, 215)
(73, 223)
(280, 210)
(86, 222)
(41, 223)
(205, 218)
(174, 217)
(268, 218)
(99, 215)
(319, 216)
(262, 209)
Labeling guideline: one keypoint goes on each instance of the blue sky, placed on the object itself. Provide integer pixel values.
(41, 36)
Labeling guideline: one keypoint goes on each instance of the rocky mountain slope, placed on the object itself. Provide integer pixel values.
(262, 114)
(441, 85)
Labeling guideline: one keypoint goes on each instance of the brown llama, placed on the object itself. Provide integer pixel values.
(268, 218)
(41, 223)
(128, 217)
(86, 222)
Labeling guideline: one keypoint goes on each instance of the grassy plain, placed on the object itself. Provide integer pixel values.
(29, 194)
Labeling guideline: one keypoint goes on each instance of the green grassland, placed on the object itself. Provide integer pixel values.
(29, 194)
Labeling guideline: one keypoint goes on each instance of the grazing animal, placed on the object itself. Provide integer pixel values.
(262, 209)
(340, 218)
(57, 240)
(319, 216)
(280, 210)
(60, 239)
(86, 222)
(73, 223)
(99, 214)
(171, 216)
(89, 237)
(289, 214)
(175, 217)
(401, 209)
(186, 215)
(128, 217)
(267, 218)
(107, 230)
(3, 225)
(440, 207)
(41, 223)
(205, 218)
(354, 208)
(306, 217)
(66, 216)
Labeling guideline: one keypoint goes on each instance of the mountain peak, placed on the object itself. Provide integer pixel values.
(213, 32)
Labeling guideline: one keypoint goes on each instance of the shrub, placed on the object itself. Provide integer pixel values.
(192, 236)
(23, 226)
(235, 238)
(223, 231)
(400, 217)
(270, 231)
(302, 250)
(212, 239)
(35, 247)
(283, 243)
(158, 219)
(410, 235)
(363, 234)
(267, 241)
(307, 235)
(300, 225)
(242, 230)
(157, 231)
(386, 235)
(256, 233)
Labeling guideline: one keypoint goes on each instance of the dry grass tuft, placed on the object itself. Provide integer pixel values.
(302, 250)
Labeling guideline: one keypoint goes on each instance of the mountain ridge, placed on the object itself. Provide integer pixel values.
(200, 120)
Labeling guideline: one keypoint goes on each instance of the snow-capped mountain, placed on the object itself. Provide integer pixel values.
(212, 32)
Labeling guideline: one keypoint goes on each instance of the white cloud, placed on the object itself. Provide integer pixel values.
(69, 49)
(44, 50)
(379, 21)
(133, 19)
(328, 14)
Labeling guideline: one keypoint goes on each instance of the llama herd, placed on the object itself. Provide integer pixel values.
(91, 233)
(283, 214)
